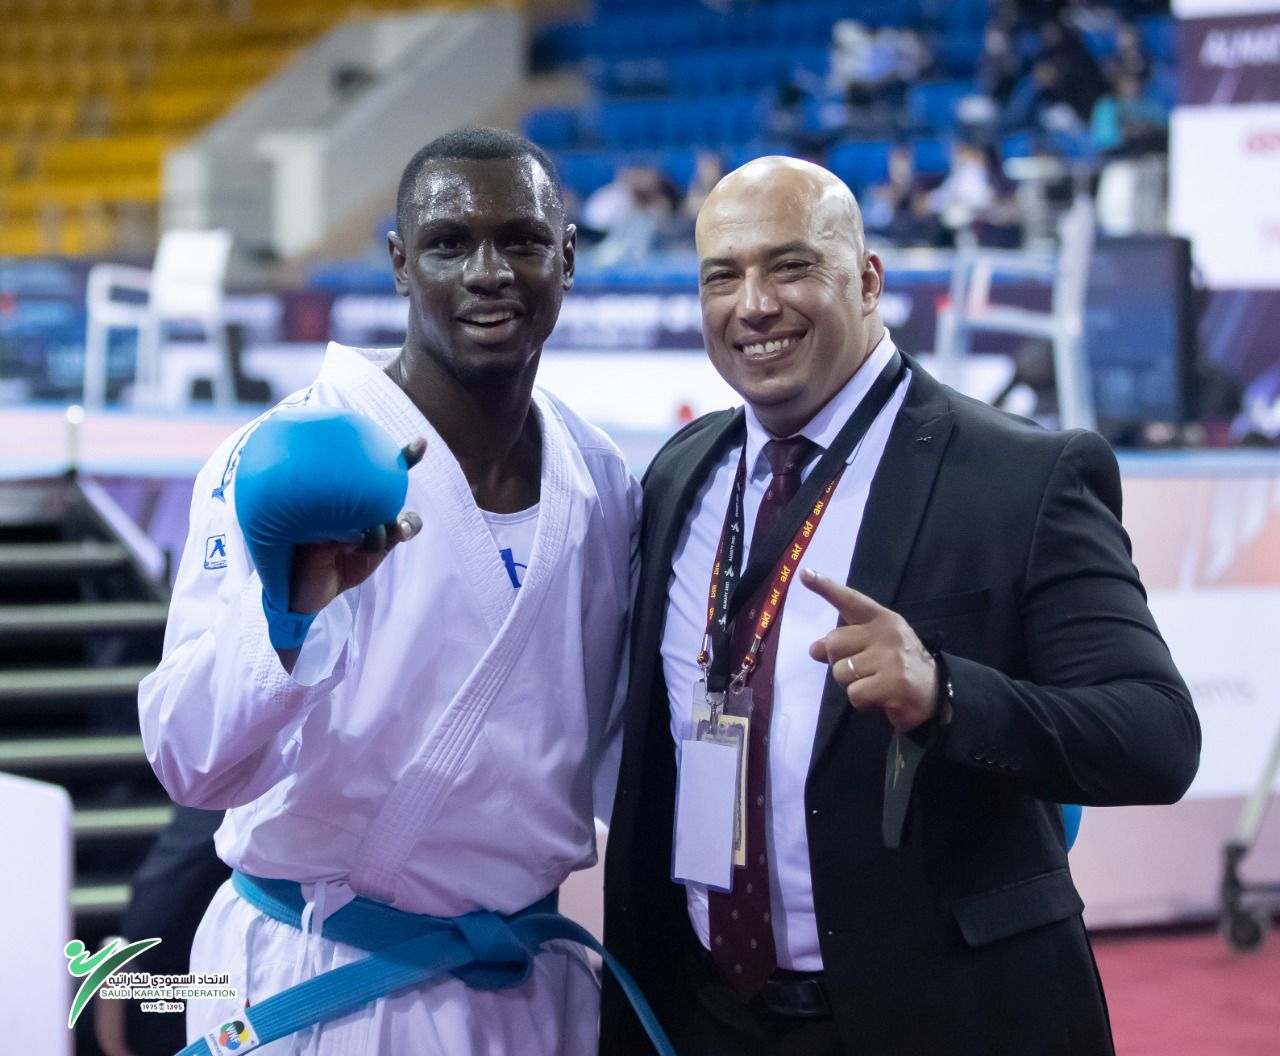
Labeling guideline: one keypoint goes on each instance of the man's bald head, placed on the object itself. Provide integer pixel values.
(790, 295)
(782, 184)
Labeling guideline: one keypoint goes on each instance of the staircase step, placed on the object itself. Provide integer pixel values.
(46, 752)
(88, 900)
(82, 617)
(115, 822)
(47, 558)
(72, 682)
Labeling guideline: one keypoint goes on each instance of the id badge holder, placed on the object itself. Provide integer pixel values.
(710, 789)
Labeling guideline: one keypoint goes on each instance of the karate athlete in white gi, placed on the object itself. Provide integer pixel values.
(445, 734)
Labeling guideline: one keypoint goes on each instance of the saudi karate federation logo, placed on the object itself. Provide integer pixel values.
(98, 967)
(103, 977)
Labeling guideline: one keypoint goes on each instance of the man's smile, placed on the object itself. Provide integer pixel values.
(767, 349)
(491, 323)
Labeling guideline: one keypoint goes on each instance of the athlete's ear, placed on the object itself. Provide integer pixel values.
(395, 248)
(570, 252)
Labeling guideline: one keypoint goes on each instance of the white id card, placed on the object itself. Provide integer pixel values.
(706, 795)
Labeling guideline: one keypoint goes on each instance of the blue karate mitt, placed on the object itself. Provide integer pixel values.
(311, 475)
(1071, 815)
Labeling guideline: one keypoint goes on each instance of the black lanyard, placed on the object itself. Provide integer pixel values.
(729, 590)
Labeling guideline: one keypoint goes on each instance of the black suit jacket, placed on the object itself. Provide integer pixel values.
(1001, 544)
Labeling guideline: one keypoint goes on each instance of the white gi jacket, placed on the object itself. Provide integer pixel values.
(442, 744)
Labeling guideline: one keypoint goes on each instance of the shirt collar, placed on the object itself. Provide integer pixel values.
(825, 426)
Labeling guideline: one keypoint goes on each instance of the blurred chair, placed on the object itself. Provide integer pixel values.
(970, 309)
(184, 287)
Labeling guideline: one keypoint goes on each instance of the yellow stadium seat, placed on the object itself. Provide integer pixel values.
(93, 93)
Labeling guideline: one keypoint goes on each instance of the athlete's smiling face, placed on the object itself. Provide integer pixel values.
(485, 258)
(789, 293)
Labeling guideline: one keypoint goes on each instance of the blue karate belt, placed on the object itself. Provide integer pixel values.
(486, 950)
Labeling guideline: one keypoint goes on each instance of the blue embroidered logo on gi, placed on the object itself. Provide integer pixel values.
(215, 552)
(509, 559)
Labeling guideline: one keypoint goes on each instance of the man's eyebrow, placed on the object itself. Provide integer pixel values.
(442, 225)
(529, 223)
(716, 262)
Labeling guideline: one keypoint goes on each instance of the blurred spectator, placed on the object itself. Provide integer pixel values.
(1127, 123)
(707, 170)
(1033, 95)
(871, 70)
(1130, 56)
(967, 192)
(852, 66)
(897, 210)
(1079, 82)
(632, 215)
(1000, 68)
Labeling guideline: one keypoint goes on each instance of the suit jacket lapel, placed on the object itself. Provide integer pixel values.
(671, 487)
(896, 506)
(689, 469)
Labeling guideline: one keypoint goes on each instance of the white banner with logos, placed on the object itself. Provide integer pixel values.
(1224, 191)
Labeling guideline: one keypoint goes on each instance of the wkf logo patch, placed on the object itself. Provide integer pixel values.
(235, 1036)
(215, 551)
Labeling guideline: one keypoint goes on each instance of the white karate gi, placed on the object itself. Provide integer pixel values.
(441, 746)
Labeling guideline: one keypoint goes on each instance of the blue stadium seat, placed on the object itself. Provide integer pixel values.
(1163, 86)
(964, 14)
(861, 164)
(932, 106)
(1160, 35)
(583, 171)
(676, 162)
(551, 127)
(931, 155)
(745, 69)
(1100, 42)
(1019, 145)
(958, 52)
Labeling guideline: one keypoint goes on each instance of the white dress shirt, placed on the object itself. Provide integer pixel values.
(798, 680)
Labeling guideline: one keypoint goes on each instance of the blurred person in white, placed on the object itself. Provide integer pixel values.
(635, 212)
(445, 734)
(967, 192)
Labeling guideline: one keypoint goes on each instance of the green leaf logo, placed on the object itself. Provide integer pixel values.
(98, 967)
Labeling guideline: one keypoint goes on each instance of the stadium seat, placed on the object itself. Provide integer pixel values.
(861, 164)
(551, 127)
(931, 155)
(184, 286)
(931, 107)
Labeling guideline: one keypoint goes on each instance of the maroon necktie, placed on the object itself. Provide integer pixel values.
(741, 921)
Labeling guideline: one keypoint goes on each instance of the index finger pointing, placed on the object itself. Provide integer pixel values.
(853, 606)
